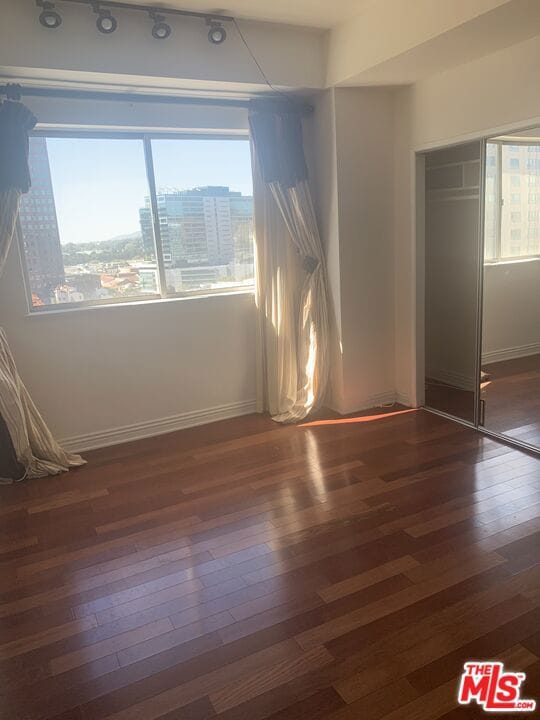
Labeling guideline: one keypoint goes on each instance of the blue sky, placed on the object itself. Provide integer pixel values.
(99, 185)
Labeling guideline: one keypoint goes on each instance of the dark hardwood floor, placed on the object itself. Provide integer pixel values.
(450, 399)
(342, 569)
(512, 395)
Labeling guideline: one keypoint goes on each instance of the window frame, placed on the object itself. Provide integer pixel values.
(162, 293)
(498, 258)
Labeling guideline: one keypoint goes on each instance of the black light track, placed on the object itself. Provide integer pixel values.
(150, 9)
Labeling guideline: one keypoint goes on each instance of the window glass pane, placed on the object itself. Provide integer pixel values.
(520, 216)
(80, 221)
(205, 206)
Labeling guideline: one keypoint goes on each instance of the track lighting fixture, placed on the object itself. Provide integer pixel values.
(217, 33)
(105, 23)
(161, 29)
(49, 18)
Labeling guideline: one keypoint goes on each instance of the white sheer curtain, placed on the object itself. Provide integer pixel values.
(35, 449)
(278, 275)
(9, 211)
(292, 298)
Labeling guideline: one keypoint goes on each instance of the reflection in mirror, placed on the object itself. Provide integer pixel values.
(510, 379)
(451, 279)
(452, 243)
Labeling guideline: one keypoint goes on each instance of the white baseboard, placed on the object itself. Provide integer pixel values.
(379, 399)
(512, 353)
(150, 428)
(161, 426)
(373, 401)
(404, 399)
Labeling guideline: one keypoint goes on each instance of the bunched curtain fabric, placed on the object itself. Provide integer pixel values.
(16, 121)
(291, 292)
(25, 441)
(35, 448)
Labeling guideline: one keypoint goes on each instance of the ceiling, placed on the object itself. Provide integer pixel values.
(308, 13)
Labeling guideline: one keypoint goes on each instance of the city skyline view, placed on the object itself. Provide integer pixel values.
(88, 169)
(87, 227)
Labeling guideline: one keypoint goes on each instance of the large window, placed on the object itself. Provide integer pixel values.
(113, 219)
(512, 205)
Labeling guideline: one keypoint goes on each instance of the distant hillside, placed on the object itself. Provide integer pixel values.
(121, 247)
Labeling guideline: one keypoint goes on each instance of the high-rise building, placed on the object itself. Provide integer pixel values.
(145, 219)
(203, 226)
(512, 206)
(40, 227)
(242, 228)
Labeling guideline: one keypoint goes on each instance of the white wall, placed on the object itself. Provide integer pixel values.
(353, 145)
(384, 34)
(467, 102)
(132, 115)
(98, 370)
(364, 126)
(320, 146)
(511, 316)
(94, 371)
(495, 93)
(291, 56)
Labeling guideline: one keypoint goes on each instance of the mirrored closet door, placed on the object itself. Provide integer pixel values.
(452, 260)
(478, 217)
(510, 374)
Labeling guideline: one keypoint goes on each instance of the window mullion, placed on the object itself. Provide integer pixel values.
(500, 201)
(155, 216)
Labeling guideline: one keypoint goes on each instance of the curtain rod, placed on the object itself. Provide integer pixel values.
(15, 92)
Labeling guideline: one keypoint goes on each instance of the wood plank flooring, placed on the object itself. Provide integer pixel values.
(512, 397)
(341, 569)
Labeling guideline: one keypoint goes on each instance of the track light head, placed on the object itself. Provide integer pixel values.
(216, 34)
(161, 29)
(106, 23)
(49, 18)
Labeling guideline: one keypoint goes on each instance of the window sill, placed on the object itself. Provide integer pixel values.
(137, 302)
(511, 261)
